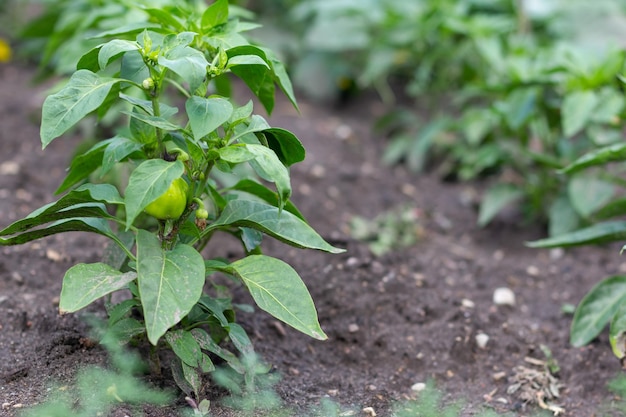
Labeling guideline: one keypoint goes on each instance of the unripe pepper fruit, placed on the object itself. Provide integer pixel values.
(172, 203)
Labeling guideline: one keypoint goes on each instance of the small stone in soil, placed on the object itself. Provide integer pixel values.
(353, 328)
(418, 386)
(369, 411)
(481, 340)
(467, 303)
(504, 296)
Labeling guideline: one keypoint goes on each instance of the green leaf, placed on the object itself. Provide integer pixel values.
(495, 199)
(158, 122)
(256, 124)
(74, 224)
(614, 208)
(519, 106)
(576, 111)
(601, 156)
(147, 183)
(119, 149)
(562, 218)
(265, 194)
(215, 15)
(165, 18)
(588, 194)
(596, 309)
(185, 347)
(617, 332)
(266, 164)
(84, 93)
(287, 146)
(283, 226)
(83, 165)
(207, 114)
(246, 60)
(85, 283)
(597, 234)
(207, 343)
(278, 290)
(77, 203)
(113, 49)
(190, 64)
(170, 283)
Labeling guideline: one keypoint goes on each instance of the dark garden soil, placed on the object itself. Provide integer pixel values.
(392, 321)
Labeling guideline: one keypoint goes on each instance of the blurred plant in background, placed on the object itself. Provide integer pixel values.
(508, 91)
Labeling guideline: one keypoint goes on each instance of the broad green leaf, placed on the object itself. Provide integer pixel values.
(246, 60)
(614, 208)
(128, 29)
(114, 48)
(596, 309)
(576, 111)
(207, 343)
(597, 234)
(256, 124)
(240, 339)
(207, 114)
(133, 67)
(190, 64)
(170, 282)
(147, 183)
(265, 194)
(158, 122)
(84, 93)
(185, 347)
(119, 149)
(121, 310)
(495, 199)
(74, 224)
(562, 218)
(281, 77)
(146, 106)
(85, 283)
(283, 226)
(83, 165)
(259, 80)
(587, 194)
(617, 332)
(215, 15)
(165, 18)
(610, 106)
(519, 106)
(602, 156)
(265, 162)
(77, 203)
(123, 331)
(278, 289)
(287, 146)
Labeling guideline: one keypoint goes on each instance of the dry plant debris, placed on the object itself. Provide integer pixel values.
(536, 386)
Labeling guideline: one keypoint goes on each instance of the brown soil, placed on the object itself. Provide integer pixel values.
(392, 321)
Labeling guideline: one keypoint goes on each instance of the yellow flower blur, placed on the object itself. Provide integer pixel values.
(5, 51)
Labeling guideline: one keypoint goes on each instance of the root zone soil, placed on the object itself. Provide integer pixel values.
(393, 321)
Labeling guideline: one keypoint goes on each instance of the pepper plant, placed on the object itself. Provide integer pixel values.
(162, 76)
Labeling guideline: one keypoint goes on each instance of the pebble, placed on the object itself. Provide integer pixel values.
(9, 168)
(318, 171)
(498, 376)
(369, 411)
(353, 262)
(481, 340)
(353, 328)
(556, 254)
(467, 303)
(418, 387)
(503, 296)
(532, 270)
